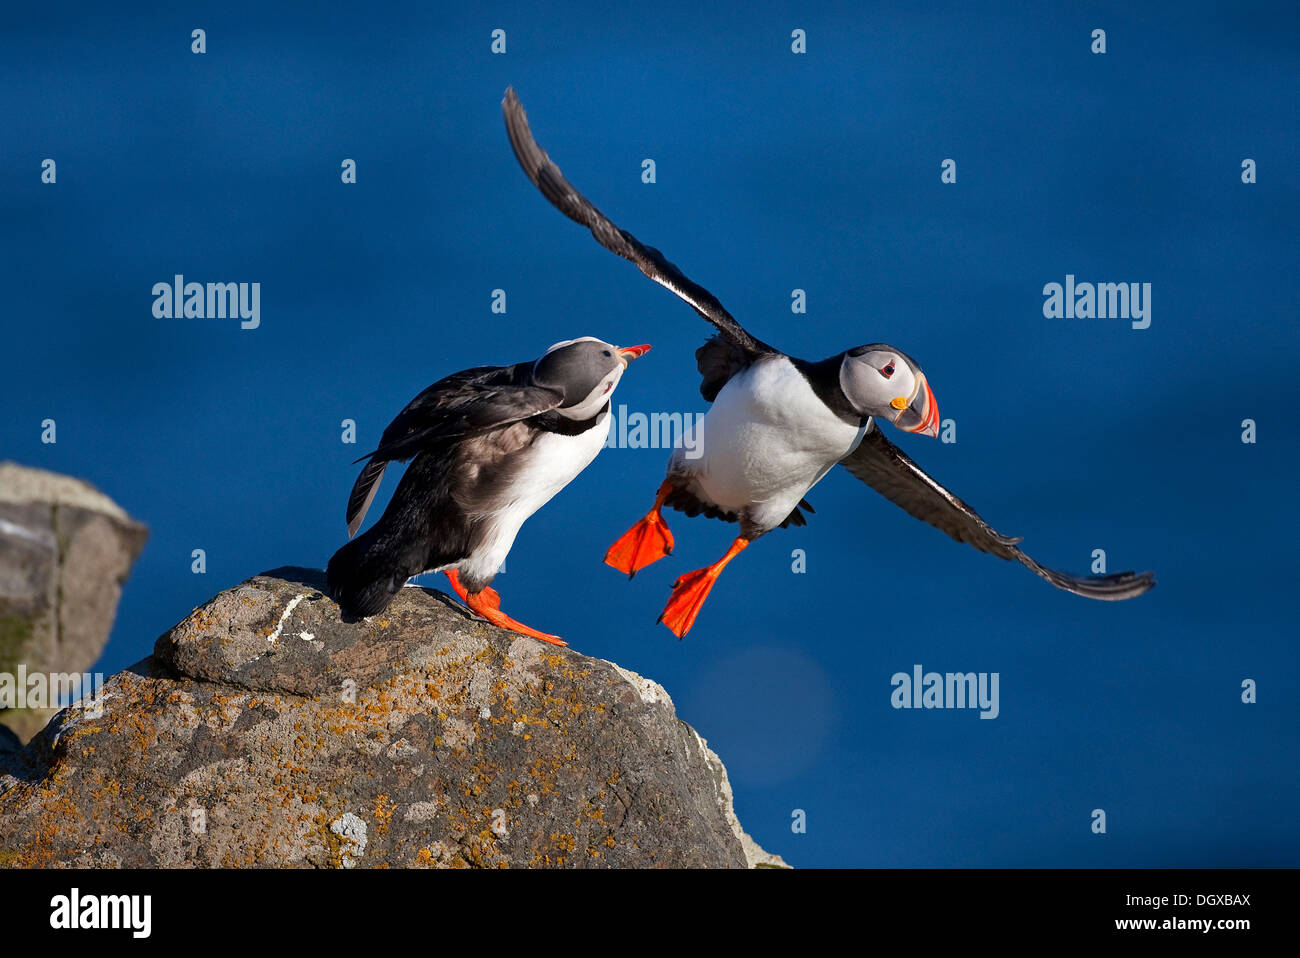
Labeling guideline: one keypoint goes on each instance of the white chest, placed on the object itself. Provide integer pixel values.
(768, 439)
(555, 460)
(550, 463)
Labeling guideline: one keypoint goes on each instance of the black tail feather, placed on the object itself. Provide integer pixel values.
(363, 493)
(364, 576)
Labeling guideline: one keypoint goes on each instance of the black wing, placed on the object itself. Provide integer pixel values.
(884, 467)
(461, 405)
(546, 176)
(718, 360)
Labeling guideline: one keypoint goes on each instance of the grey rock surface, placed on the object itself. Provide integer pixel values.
(65, 550)
(264, 731)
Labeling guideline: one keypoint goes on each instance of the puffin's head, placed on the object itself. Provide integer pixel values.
(882, 382)
(586, 370)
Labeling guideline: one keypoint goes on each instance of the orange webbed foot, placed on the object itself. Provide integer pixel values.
(646, 542)
(690, 591)
(490, 598)
(503, 621)
(487, 604)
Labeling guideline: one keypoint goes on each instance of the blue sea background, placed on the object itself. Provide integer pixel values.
(774, 171)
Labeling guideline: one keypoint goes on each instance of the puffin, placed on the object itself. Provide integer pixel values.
(489, 446)
(778, 424)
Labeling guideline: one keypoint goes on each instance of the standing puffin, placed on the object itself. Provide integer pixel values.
(778, 424)
(491, 446)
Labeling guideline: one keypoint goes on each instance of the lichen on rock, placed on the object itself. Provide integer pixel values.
(264, 731)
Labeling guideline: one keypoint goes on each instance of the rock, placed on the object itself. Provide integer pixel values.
(65, 550)
(264, 731)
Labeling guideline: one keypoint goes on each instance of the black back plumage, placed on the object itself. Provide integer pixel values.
(718, 360)
(484, 414)
(463, 404)
(422, 528)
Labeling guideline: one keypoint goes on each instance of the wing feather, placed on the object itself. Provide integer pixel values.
(460, 406)
(546, 176)
(884, 467)
(363, 493)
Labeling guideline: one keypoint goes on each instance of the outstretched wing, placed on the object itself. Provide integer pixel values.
(718, 360)
(546, 176)
(461, 405)
(885, 468)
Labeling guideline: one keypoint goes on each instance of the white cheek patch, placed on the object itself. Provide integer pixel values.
(871, 391)
(592, 404)
(905, 385)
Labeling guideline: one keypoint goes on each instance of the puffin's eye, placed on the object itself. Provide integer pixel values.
(608, 353)
(888, 370)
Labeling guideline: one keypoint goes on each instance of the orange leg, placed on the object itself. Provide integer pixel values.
(487, 604)
(646, 542)
(691, 589)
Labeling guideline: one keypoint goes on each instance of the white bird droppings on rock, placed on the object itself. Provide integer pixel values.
(288, 611)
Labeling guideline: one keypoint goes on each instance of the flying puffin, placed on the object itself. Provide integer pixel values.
(778, 424)
(491, 446)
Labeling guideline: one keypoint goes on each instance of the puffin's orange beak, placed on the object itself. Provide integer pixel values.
(922, 413)
(629, 353)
